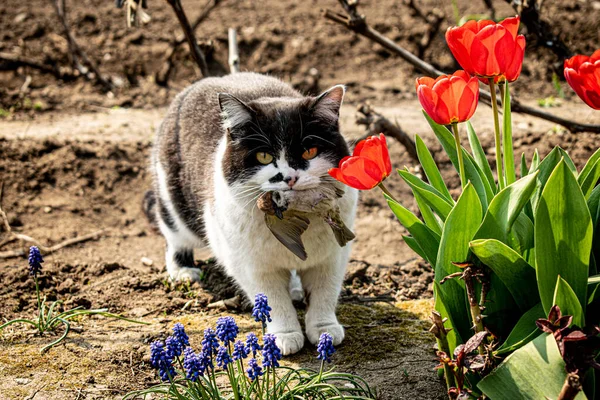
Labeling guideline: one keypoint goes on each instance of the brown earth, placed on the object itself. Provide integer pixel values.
(71, 163)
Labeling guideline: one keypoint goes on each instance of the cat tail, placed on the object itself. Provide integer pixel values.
(149, 208)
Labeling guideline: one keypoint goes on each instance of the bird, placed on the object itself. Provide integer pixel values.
(287, 215)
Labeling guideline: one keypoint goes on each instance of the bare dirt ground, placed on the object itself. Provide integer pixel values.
(73, 160)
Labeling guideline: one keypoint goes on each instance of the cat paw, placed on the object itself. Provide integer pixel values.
(289, 342)
(186, 274)
(335, 330)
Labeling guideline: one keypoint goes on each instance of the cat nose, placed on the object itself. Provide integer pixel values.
(290, 180)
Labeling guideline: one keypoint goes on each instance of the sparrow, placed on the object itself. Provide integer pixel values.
(287, 215)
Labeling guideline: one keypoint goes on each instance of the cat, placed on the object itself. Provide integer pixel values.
(224, 142)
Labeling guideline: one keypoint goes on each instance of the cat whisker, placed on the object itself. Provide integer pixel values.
(319, 138)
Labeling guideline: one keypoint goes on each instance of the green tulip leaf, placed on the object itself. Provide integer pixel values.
(429, 194)
(524, 331)
(428, 216)
(414, 245)
(505, 208)
(427, 239)
(459, 229)
(453, 336)
(524, 169)
(568, 161)
(566, 299)
(590, 174)
(507, 142)
(535, 161)
(545, 168)
(431, 170)
(474, 174)
(516, 274)
(480, 158)
(535, 371)
(563, 236)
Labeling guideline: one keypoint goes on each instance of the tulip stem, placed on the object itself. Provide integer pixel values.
(461, 162)
(497, 132)
(386, 191)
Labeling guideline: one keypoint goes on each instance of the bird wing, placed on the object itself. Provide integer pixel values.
(289, 232)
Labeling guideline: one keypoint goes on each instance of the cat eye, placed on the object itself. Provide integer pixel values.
(310, 153)
(264, 158)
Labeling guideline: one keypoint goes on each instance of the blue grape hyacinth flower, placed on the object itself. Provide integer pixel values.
(180, 335)
(252, 345)
(325, 347)
(193, 365)
(210, 344)
(239, 351)
(223, 357)
(35, 261)
(254, 370)
(160, 360)
(227, 330)
(271, 353)
(261, 310)
(174, 348)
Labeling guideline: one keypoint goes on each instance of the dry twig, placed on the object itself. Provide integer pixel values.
(377, 123)
(75, 51)
(357, 23)
(234, 54)
(14, 236)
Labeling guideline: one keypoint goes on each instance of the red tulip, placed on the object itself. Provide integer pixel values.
(449, 98)
(583, 75)
(367, 167)
(487, 49)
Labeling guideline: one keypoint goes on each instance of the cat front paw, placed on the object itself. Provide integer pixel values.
(334, 329)
(289, 342)
(186, 274)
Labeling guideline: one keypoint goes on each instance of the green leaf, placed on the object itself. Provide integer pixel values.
(563, 236)
(524, 331)
(504, 209)
(473, 173)
(431, 170)
(511, 268)
(546, 166)
(524, 170)
(593, 203)
(414, 245)
(569, 162)
(428, 216)
(459, 229)
(480, 157)
(429, 194)
(566, 299)
(453, 336)
(428, 240)
(590, 174)
(535, 371)
(535, 161)
(507, 142)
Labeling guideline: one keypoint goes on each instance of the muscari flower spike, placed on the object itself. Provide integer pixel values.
(271, 353)
(252, 345)
(160, 360)
(325, 347)
(254, 370)
(193, 365)
(35, 261)
(210, 344)
(180, 335)
(174, 347)
(223, 357)
(261, 311)
(227, 330)
(239, 351)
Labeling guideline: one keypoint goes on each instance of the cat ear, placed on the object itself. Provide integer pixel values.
(327, 104)
(235, 113)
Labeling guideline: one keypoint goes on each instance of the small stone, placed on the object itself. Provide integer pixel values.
(22, 381)
(47, 209)
(147, 261)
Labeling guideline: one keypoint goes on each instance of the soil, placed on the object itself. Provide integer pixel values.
(73, 160)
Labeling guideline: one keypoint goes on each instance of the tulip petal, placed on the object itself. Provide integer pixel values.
(460, 41)
(483, 51)
(513, 70)
(512, 25)
(361, 173)
(432, 105)
(385, 155)
(375, 149)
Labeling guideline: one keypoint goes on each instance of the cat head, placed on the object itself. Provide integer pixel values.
(282, 143)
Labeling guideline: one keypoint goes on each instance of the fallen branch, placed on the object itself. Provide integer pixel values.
(189, 35)
(75, 51)
(164, 73)
(377, 123)
(358, 24)
(234, 54)
(13, 236)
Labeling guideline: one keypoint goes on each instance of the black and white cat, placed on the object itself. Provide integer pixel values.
(224, 142)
